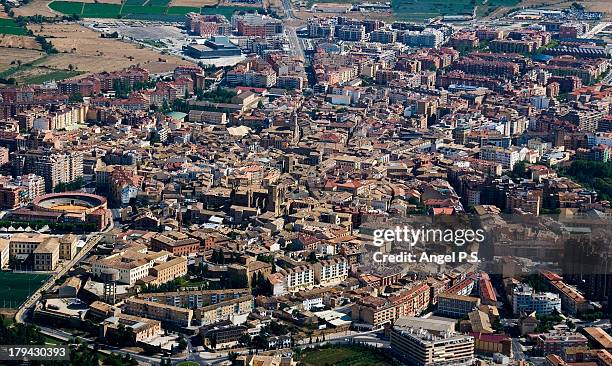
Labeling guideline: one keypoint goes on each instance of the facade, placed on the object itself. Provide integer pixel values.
(456, 306)
(162, 312)
(44, 248)
(506, 157)
(216, 46)
(53, 167)
(168, 271)
(175, 242)
(427, 38)
(252, 25)
(425, 347)
(299, 278)
(331, 272)
(225, 310)
(525, 299)
(194, 299)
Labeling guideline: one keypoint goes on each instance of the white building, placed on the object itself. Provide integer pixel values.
(429, 343)
(298, 278)
(331, 272)
(525, 299)
(506, 157)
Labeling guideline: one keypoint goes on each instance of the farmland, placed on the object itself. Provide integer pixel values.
(83, 48)
(9, 26)
(423, 9)
(142, 9)
(12, 56)
(16, 287)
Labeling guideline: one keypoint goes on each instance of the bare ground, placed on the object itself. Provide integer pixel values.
(87, 52)
(10, 56)
(35, 7)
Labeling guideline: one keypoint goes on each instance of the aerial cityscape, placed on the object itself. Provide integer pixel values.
(306, 182)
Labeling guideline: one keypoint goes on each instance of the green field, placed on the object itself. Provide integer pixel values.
(424, 9)
(344, 356)
(56, 75)
(8, 26)
(16, 287)
(141, 9)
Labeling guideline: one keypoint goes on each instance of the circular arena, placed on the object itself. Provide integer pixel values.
(70, 202)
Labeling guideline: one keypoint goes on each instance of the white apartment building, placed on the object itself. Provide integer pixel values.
(506, 157)
(298, 278)
(331, 272)
(525, 299)
(431, 347)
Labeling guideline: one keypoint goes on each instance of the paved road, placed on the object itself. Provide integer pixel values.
(65, 267)
(517, 350)
(596, 29)
(290, 31)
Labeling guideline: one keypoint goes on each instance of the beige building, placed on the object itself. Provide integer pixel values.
(162, 312)
(225, 310)
(169, 270)
(140, 329)
(68, 246)
(331, 272)
(46, 255)
(45, 248)
(298, 278)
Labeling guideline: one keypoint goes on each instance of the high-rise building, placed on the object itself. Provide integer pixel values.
(54, 167)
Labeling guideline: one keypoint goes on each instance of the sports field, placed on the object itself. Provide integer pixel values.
(141, 9)
(16, 287)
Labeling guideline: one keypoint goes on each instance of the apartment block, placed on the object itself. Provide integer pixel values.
(456, 306)
(168, 271)
(431, 344)
(525, 299)
(225, 310)
(331, 271)
(162, 312)
(506, 157)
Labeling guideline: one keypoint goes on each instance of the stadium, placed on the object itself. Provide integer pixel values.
(70, 203)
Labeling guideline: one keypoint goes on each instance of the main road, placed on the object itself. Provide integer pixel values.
(290, 31)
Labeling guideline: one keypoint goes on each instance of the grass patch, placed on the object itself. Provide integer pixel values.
(15, 288)
(163, 3)
(424, 9)
(345, 356)
(9, 26)
(101, 10)
(132, 9)
(226, 11)
(67, 7)
(153, 10)
(187, 363)
(56, 75)
(181, 10)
